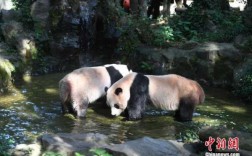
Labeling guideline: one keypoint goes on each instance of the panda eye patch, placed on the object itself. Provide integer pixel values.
(116, 106)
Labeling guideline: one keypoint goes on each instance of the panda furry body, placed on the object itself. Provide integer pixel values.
(85, 85)
(167, 92)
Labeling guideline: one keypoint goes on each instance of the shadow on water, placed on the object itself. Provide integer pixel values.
(34, 108)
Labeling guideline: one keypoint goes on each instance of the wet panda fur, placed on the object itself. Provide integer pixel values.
(85, 85)
(167, 92)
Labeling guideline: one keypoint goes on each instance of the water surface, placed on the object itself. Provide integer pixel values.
(33, 108)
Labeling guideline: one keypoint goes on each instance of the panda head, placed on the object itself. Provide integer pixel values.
(117, 99)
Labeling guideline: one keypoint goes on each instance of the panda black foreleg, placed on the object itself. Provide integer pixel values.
(139, 97)
(185, 111)
(136, 107)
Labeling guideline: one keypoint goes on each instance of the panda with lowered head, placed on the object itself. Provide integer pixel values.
(167, 92)
(85, 85)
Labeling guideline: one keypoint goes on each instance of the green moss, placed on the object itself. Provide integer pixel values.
(6, 69)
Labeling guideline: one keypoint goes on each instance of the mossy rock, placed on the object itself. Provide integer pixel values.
(6, 69)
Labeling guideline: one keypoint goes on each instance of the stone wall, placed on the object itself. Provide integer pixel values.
(211, 63)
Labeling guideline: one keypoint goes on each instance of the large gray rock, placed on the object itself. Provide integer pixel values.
(72, 27)
(40, 12)
(148, 146)
(67, 143)
(19, 38)
(211, 62)
(40, 15)
(11, 30)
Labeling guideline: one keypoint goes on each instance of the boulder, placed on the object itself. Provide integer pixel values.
(149, 146)
(40, 15)
(11, 30)
(67, 143)
(17, 37)
(212, 62)
(40, 12)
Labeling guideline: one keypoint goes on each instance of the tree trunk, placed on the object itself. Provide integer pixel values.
(166, 8)
(138, 7)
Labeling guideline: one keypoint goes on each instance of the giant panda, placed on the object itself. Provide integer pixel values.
(168, 92)
(87, 84)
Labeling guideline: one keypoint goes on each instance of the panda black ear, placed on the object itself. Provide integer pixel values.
(106, 89)
(118, 91)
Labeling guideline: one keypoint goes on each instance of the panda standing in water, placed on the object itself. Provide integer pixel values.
(85, 85)
(168, 92)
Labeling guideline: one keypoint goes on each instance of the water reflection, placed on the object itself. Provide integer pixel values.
(34, 109)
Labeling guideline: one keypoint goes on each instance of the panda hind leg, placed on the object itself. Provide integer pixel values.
(66, 107)
(82, 109)
(78, 107)
(185, 111)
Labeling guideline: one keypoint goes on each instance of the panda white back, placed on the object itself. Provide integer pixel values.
(89, 81)
(163, 92)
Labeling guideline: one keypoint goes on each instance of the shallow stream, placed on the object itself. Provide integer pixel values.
(33, 108)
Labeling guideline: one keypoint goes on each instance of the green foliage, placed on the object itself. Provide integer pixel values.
(142, 30)
(24, 6)
(162, 35)
(51, 153)
(6, 143)
(99, 152)
(205, 21)
(188, 136)
(93, 151)
(247, 46)
(129, 39)
(226, 29)
(182, 29)
(145, 66)
(78, 154)
(189, 24)
(243, 88)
